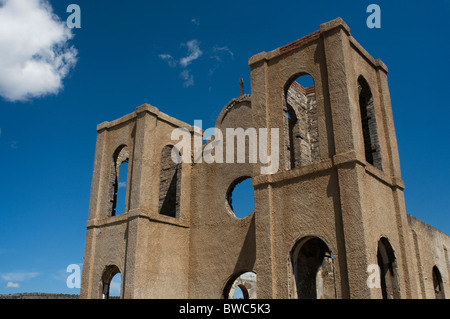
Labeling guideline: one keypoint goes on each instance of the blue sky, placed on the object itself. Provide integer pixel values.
(184, 57)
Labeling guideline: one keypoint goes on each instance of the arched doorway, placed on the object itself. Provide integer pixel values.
(388, 270)
(111, 282)
(313, 270)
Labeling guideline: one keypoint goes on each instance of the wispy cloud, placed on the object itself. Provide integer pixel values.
(13, 279)
(35, 55)
(188, 78)
(169, 59)
(219, 50)
(194, 53)
(219, 54)
(195, 21)
(122, 184)
(11, 284)
(19, 276)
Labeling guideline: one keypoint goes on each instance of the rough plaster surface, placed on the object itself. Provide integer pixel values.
(334, 195)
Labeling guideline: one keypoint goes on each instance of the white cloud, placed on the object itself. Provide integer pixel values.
(195, 21)
(18, 276)
(170, 60)
(188, 78)
(219, 54)
(122, 184)
(34, 52)
(223, 49)
(194, 53)
(11, 284)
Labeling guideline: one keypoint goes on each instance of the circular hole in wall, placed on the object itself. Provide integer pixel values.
(241, 198)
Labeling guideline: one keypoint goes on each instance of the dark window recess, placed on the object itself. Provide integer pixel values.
(313, 264)
(301, 133)
(170, 184)
(388, 270)
(369, 124)
(119, 172)
(438, 284)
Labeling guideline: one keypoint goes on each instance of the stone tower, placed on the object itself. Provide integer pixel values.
(332, 210)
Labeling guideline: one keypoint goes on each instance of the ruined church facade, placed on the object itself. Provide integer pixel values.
(329, 223)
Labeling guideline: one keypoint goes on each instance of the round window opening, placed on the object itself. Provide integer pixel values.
(240, 197)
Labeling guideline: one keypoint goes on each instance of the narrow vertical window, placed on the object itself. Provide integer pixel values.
(169, 183)
(369, 124)
(438, 284)
(122, 188)
(301, 135)
(388, 270)
(119, 177)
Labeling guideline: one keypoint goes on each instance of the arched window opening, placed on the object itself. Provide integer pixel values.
(388, 270)
(240, 197)
(119, 176)
(242, 287)
(313, 269)
(170, 183)
(301, 132)
(369, 124)
(121, 188)
(438, 284)
(111, 282)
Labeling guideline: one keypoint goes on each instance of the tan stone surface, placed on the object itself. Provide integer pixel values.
(339, 198)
